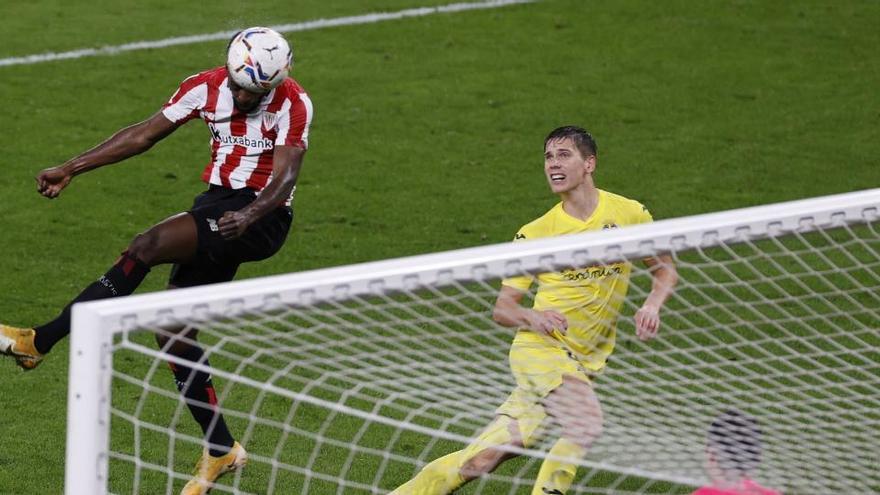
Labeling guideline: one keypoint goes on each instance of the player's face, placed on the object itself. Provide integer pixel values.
(565, 167)
(244, 100)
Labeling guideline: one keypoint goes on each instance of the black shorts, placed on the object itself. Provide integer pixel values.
(217, 259)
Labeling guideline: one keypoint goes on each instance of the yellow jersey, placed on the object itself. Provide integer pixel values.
(589, 297)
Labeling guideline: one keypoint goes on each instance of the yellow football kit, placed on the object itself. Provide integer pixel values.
(589, 297)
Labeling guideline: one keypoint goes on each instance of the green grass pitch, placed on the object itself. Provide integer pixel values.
(427, 135)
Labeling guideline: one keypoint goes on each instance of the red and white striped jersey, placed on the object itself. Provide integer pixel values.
(242, 144)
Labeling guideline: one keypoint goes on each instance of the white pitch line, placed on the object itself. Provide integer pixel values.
(283, 28)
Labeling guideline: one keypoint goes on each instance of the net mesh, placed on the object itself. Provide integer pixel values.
(355, 393)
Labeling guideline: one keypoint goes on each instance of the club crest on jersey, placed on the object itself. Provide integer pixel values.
(269, 120)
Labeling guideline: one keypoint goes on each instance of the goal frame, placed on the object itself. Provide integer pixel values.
(94, 324)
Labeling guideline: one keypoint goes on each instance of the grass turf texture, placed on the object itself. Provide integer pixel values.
(427, 136)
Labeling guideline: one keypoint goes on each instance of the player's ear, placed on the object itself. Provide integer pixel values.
(590, 164)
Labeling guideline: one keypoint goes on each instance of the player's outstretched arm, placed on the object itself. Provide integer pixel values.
(286, 163)
(664, 278)
(126, 143)
(509, 312)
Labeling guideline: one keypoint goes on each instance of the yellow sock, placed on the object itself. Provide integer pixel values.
(440, 477)
(555, 476)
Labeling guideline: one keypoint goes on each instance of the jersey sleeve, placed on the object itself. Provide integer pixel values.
(521, 282)
(187, 101)
(294, 120)
(643, 215)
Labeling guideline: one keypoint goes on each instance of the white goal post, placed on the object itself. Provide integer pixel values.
(350, 379)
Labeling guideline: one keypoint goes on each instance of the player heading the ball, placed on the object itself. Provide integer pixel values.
(259, 120)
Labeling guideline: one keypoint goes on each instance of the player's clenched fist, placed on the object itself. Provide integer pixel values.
(233, 224)
(544, 322)
(51, 181)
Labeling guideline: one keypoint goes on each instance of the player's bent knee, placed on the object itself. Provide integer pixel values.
(583, 429)
(576, 408)
(586, 434)
(144, 247)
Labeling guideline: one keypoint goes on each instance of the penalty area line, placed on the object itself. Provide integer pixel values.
(282, 28)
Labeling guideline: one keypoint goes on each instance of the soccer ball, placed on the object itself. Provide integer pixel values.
(258, 59)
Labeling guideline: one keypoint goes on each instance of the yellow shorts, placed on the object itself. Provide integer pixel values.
(538, 370)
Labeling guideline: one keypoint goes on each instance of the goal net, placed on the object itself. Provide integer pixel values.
(349, 380)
